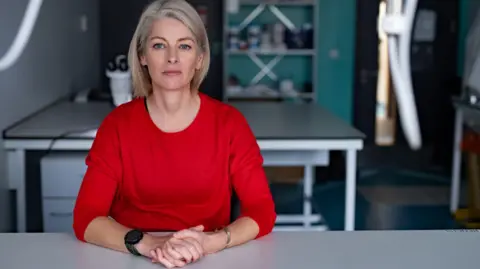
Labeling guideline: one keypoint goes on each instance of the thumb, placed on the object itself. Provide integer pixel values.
(198, 228)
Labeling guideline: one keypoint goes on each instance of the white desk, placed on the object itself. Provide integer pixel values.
(287, 134)
(280, 250)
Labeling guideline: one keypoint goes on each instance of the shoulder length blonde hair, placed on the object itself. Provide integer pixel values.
(176, 9)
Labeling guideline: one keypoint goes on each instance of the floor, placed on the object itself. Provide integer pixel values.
(386, 200)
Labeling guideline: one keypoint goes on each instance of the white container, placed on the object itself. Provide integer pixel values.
(120, 86)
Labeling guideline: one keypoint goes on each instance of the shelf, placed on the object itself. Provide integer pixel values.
(273, 52)
(278, 2)
(298, 63)
(269, 97)
(274, 9)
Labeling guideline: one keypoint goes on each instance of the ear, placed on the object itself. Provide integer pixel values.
(199, 62)
(143, 61)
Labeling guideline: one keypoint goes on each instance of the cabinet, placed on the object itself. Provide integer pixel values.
(61, 177)
(270, 50)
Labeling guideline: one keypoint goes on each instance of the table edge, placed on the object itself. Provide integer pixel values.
(270, 144)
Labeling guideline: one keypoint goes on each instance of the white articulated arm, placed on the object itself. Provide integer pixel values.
(23, 35)
(398, 27)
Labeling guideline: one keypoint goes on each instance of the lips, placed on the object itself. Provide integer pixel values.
(172, 72)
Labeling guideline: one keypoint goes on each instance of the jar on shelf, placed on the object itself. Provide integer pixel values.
(307, 35)
(294, 39)
(254, 35)
(278, 36)
(266, 38)
(233, 38)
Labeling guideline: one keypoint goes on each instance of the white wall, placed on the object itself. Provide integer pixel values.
(59, 58)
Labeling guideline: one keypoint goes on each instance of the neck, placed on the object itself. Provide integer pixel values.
(173, 111)
(172, 103)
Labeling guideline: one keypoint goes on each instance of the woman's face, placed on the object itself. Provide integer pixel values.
(171, 55)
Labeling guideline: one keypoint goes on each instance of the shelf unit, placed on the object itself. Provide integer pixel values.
(254, 71)
(279, 2)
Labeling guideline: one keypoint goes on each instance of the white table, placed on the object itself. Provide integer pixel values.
(279, 250)
(288, 135)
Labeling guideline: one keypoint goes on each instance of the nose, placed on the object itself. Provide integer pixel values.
(172, 56)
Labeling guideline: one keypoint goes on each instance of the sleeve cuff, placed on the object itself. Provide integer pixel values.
(81, 223)
(265, 220)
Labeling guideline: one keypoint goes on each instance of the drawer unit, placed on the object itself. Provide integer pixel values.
(61, 177)
(62, 174)
(296, 158)
(58, 215)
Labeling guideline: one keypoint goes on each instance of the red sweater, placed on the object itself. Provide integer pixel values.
(151, 180)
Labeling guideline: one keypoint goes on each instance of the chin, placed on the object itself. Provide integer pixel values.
(172, 87)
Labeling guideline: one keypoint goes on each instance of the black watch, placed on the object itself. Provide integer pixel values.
(131, 239)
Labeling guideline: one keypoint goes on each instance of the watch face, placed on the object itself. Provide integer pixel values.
(133, 237)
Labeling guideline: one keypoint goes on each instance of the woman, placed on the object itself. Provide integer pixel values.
(170, 159)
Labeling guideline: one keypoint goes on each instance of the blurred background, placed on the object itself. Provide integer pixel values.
(326, 53)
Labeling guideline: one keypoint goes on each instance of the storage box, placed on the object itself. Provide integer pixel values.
(284, 174)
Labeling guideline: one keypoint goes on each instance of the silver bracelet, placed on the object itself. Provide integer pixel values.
(229, 237)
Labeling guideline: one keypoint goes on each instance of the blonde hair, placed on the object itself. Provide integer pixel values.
(176, 9)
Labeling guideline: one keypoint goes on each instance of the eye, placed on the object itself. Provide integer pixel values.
(158, 46)
(185, 47)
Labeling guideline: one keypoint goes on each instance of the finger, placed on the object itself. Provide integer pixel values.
(186, 254)
(153, 255)
(197, 248)
(183, 249)
(167, 255)
(198, 228)
(191, 248)
(159, 254)
(173, 255)
(165, 262)
(188, 233)
(172, 252)
(159, 258)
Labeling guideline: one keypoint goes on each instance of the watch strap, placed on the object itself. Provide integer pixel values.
(132, 249)
(131, 239)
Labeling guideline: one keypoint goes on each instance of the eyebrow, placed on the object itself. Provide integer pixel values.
(180, 39)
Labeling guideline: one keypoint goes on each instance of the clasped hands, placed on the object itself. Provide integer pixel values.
(184, 247)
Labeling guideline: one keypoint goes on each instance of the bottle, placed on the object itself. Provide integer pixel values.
(307, 35)
(233, 40)
(266, 39)
(254, 37)
(279, 36)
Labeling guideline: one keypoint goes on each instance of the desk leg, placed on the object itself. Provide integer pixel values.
(351, 163)
(457, 159)
(16, 178)
(307, 196)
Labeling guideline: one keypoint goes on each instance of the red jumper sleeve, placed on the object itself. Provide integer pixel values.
(248, 176)
(99, 185)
